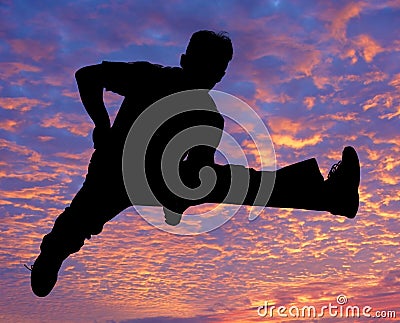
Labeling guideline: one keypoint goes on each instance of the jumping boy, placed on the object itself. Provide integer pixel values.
(103, 194)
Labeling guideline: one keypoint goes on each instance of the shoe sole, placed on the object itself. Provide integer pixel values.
(352, 170)
(350, 157)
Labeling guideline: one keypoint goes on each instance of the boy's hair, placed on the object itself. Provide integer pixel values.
(207, 42)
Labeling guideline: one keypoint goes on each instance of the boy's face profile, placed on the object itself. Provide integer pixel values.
(204, 71)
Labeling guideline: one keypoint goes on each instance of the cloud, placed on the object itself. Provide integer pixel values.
(32, 168)
(395, 81)
(19, 149)
(74, 123)
(29, 48)
(342, 16)
(296, 143)
(37, 193)
(21, 104)
(45, 138)
(8, 69)
(368, 47)
(386, 104)
(10, 125)
(309, 102)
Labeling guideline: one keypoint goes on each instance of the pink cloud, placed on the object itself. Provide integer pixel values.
(45, 138)
(339, 18)
(309, 102)
(8, 69)
(10, 125)
(74, 123)
(368, 47)
(33, 49)
(21, 103)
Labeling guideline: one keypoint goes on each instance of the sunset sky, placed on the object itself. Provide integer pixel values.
(321, 75)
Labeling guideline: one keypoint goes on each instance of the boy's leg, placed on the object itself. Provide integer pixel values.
(298, 186)
(101, 198)
(293, 186)
(301, 186)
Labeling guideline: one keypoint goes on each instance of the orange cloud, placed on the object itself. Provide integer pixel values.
(22, 104)
(391, 115)
(9, 125)
(368, 47)
(379, 100)
(349, 53)
(74, 123)
(395, 81)
(264, 95)
(33, 167)
(375, 76)
(34, 193)
(341, 18)
(284, 125)
(296, 143)
(320, 81)
(309, 102)
(22, 150)
(350, 116)
(259, 157)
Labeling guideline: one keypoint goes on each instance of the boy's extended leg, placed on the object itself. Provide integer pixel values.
(301, 186)
(298, 186)
(101, 198)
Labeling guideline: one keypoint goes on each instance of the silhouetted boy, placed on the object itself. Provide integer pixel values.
(103, 193)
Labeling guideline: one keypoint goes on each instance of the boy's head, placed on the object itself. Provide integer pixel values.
(207, 57)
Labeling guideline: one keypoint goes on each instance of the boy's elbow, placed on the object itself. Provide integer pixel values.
(82, 73)
(91, 72)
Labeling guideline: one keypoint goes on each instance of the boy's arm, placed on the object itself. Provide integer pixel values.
(118, 77)
(91, 83)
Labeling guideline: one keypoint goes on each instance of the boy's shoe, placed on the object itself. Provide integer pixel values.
(54, 250)
(45, 273)
(342, 185)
